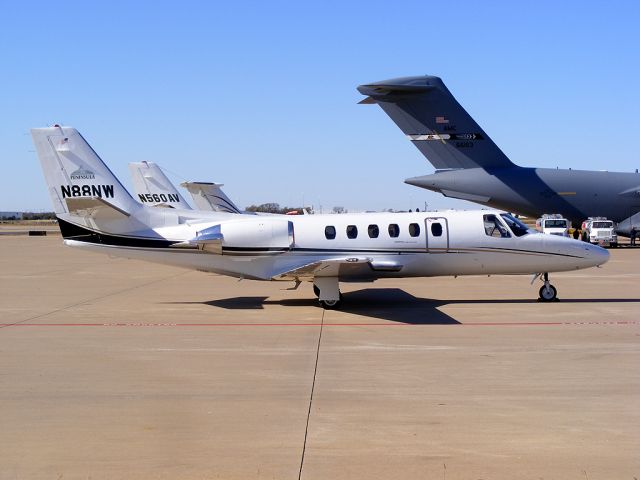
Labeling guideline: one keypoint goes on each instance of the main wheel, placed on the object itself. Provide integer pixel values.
(329, 304)
(548, 293)
(316, 290)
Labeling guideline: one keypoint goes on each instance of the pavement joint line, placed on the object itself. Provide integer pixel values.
(313, 386)
(62, 309)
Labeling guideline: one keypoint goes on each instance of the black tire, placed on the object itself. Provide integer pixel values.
(548, 294)
(316, 290)
(330, 304)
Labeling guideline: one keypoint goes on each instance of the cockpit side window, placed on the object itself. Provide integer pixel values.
(517, 227)
(494, 227)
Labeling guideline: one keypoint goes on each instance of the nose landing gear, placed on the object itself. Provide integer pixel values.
(547, 292)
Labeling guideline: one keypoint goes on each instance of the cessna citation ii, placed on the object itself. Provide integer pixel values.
(96, 213)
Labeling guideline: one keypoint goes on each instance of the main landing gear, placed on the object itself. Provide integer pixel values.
(328, 292)
(547, 292)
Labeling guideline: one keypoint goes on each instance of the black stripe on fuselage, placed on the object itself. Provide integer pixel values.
(71, 231)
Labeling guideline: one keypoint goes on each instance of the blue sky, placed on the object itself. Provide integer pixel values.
(262, 95)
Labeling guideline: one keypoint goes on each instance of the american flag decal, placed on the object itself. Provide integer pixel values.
(442, 120)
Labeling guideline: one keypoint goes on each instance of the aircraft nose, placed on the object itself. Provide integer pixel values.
(596, 255)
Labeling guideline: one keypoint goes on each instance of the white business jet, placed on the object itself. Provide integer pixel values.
(95, 212)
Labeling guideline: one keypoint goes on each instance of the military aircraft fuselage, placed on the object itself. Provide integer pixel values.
(576, 194)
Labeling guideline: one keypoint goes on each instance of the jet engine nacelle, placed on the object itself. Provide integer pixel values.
(253, 235)
(263, 233)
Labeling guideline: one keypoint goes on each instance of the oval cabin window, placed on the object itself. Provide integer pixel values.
(330, 232)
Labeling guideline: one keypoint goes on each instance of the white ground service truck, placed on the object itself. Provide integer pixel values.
(553, 225)
(600, 231)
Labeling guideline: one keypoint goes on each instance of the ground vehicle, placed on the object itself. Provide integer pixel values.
(553, 225)
(599, 230)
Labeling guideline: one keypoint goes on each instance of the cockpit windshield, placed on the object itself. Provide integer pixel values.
(517, 227)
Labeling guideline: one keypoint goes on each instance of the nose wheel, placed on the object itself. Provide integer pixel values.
(547, 292)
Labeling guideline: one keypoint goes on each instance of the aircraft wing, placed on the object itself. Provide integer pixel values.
(343, 267)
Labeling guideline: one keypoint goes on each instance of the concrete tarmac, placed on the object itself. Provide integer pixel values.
(112, 368)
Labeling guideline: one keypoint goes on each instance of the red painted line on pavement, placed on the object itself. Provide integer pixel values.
(355, 324)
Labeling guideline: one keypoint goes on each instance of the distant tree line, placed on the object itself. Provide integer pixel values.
(31, 216)
(39, 216)
(273, 208)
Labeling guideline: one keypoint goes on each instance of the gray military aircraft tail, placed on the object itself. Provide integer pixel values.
(429, 115)
(470, 166)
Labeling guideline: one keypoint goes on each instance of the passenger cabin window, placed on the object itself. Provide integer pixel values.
(517, 227)
(414, 230)
(394, 230)
(373, 231)
(330, 232)
(494, 228)
(352, 231)
(436, 229)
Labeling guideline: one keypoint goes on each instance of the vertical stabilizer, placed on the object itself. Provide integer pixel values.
(431, 118)
(209, 196)
(153, 188)
(74, 171)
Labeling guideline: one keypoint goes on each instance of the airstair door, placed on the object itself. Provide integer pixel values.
(437, 234)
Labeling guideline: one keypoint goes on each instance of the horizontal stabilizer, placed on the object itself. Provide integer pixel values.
(400, 85)
(94, 207)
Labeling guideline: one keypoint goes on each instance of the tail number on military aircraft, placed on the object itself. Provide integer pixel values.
(102, 191)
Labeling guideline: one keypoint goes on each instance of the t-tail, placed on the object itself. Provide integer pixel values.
(153, 188)
(429, 115)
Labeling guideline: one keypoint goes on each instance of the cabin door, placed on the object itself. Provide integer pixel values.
(437, 234)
